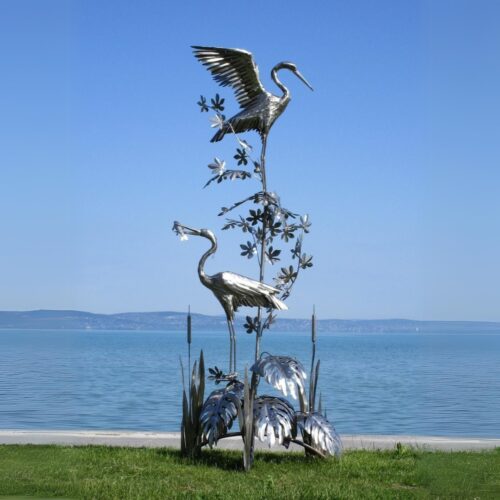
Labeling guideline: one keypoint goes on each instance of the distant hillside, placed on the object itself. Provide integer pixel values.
(174, 321)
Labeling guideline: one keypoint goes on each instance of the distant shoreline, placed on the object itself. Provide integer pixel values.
(176, 321)
(153, 439)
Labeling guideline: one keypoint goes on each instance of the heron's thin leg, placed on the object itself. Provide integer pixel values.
(234, 346)
(230, 345)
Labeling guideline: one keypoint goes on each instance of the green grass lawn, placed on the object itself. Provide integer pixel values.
(121, 473)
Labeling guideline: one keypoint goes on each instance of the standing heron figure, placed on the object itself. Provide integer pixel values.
(259, 108)
(231, 290)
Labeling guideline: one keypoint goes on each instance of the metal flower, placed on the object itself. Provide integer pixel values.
(217, 103)
(241, 156)
(255, 216)
(248, 250)
(306, 261)
(305, 223)
(272, 255)
(296, 249)
(202, 103)
(252, 324)
(218, 121)
(219, 411)
(321, 431)
(287, 233)
(218, 376)
(275, 228)
(283, 372)
(217, 166)
(287, 274)
(274, 420)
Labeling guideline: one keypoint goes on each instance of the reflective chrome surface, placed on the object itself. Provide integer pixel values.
(231, 290)
(322, 433)
(274, 420)
(236, 68)
(282, 372)
(219, 412)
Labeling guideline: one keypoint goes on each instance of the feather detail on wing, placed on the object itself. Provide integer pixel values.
(251, 293)
(238, 124)
(234, 68)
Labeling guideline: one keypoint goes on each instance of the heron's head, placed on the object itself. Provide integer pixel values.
(293, 68)
(185, 231)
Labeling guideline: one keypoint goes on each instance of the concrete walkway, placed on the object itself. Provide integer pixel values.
(172, 440)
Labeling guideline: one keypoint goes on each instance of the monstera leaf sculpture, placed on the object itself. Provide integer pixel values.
(274, 420)
(322, 433)
(282, 372)
(219, 411)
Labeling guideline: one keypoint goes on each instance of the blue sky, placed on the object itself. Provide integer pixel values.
(395, 155)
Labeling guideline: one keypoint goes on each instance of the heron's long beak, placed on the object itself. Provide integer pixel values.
(181, 229)
(299, 75)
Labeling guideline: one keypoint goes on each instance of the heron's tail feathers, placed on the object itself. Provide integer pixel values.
(277, 303)
(220, 134)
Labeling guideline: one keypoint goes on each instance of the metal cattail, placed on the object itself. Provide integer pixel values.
(313, 327)
(189, 336)
(313, 377)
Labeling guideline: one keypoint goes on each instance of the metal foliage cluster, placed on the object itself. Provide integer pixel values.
(274, 236)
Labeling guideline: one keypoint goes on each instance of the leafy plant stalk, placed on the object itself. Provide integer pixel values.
(263, 224)
(249, 449)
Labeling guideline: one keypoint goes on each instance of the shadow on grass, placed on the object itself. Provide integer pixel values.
(233, 460)
(220, 459)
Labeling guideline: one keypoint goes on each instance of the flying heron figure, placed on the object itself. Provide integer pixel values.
(259, 108)
(231, 290)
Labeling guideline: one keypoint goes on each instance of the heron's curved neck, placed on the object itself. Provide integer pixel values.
(201, 266)
(274, 76)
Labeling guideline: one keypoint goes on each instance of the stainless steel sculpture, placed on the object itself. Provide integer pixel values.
(232, 290)
(269, 228)
(236, 68)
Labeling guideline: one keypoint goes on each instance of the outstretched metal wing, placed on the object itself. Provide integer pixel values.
(274, 420)
(321, 431)
(234, 68)
(283, 372)
(219, 411)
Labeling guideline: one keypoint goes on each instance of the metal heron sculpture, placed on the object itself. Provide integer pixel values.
(236, 68)
(231, 290)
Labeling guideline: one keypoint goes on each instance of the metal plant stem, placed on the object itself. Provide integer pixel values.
(263, 242)
(258, 334)
(189, 338)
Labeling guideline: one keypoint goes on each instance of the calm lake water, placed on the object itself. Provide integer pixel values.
(440, 384)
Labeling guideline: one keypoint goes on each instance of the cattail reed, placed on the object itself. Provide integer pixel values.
(313, 375)
(189, 336)
(313, 327)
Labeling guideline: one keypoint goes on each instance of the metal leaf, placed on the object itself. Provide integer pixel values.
(322, 433)
(219, 411)
(283, 372)
(274, 420)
